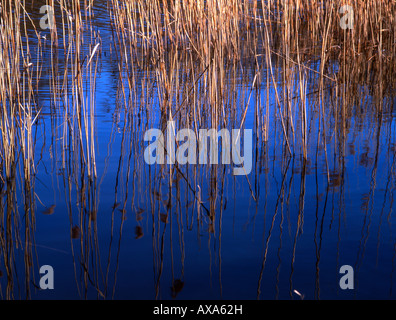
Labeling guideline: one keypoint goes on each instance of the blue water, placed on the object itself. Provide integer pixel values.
(283, 227)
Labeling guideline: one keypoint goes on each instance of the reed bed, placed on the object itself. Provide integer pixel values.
(72, 95)
(308, 85)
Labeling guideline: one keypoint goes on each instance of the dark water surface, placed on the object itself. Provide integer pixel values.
(138, 231)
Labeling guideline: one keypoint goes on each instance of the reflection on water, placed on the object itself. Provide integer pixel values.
(76, 193)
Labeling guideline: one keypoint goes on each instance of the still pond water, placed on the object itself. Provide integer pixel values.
(137, 231)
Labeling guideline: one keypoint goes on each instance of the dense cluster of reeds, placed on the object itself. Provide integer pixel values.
(287, 54)
(66, 58)
(288, 65)
(307, 83)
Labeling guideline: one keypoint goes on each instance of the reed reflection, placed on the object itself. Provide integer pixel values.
(320, 101)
